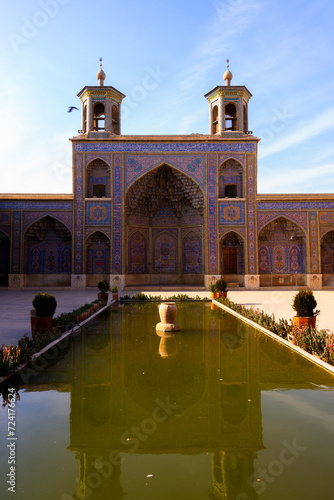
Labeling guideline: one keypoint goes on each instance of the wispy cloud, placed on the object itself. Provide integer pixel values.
(287, 180)
(231, 18)
(320, 124)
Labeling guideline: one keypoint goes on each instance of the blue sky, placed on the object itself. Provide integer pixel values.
(165, 56)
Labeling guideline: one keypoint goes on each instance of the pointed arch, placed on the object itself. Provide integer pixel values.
(327, 252)
(282, 247)
(47, 247)
(214, 121)
(174, 168)
(192, 253)
(99, 116)
(232, 254)
(98, 253)
(137, 253)
(165, 253)
(164, 184)
(98, 179)
(4, 258)
(161, 206)
(231, 179)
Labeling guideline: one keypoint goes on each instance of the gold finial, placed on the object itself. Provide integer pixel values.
(228, 75)
(100, 75)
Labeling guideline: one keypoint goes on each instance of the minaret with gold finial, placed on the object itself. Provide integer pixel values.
(101, 109)
(228, 107)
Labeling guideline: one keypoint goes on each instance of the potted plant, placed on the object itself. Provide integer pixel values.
(304, 304)
(213, 290)
(104, 288)
(114, 291)
(41, 316)
(221, 287)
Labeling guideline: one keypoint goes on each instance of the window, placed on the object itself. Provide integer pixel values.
(230, 117)
(99, 117)
(230, 191)
(99, 190)
(215, 120)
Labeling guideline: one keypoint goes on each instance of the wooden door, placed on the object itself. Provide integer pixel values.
(230, 261)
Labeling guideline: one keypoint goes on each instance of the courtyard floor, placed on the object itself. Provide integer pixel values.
(15, 305)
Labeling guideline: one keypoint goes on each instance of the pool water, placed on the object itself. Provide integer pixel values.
(215, 411)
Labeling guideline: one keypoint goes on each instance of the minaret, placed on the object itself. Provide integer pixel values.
(101, 108)
(228, 107)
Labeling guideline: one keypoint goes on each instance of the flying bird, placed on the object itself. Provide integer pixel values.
(70, 109)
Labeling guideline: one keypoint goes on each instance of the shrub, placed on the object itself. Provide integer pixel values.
(304, 304)
(103, 286)
(114, 289)
(221, 285)
(45, 305)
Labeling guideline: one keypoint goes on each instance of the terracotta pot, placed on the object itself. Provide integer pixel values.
(300, 321)
(40, 325)
(167, 312)
(103, 295)
(223, 294)
(115, 296)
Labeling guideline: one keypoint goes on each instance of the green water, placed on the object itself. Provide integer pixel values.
(215, 411)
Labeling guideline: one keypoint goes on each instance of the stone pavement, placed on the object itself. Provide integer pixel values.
(15, 305)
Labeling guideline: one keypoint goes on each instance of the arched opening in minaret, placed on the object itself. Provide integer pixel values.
(99, 117)
(164, 224)
(47, 251)
(214, 120)
(230, 117)
(115, 119)
(4, 258)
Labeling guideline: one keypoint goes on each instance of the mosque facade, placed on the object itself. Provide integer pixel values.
(176, 210)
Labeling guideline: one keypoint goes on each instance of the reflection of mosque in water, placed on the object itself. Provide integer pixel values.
(191, 395)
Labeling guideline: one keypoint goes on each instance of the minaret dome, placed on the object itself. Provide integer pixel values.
(228, 75)
(100, 75)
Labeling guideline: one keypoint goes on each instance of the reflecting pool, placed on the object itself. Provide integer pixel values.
(214, 411)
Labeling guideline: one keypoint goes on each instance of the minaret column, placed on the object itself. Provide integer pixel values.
(89, 112)
(221, 112)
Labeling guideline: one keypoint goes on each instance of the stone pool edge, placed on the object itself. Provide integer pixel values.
(27, 365)
(298, 349)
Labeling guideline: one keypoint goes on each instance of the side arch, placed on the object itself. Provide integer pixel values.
(192, 253)
(98, 253)
(137, 252)
(282, 247)
(4, 258)
(47, 251)
(327, 252)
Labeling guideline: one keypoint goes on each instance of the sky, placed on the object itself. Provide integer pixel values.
(164, 56)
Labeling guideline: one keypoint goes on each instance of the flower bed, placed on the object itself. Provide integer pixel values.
(12, 356)
(314, 341)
